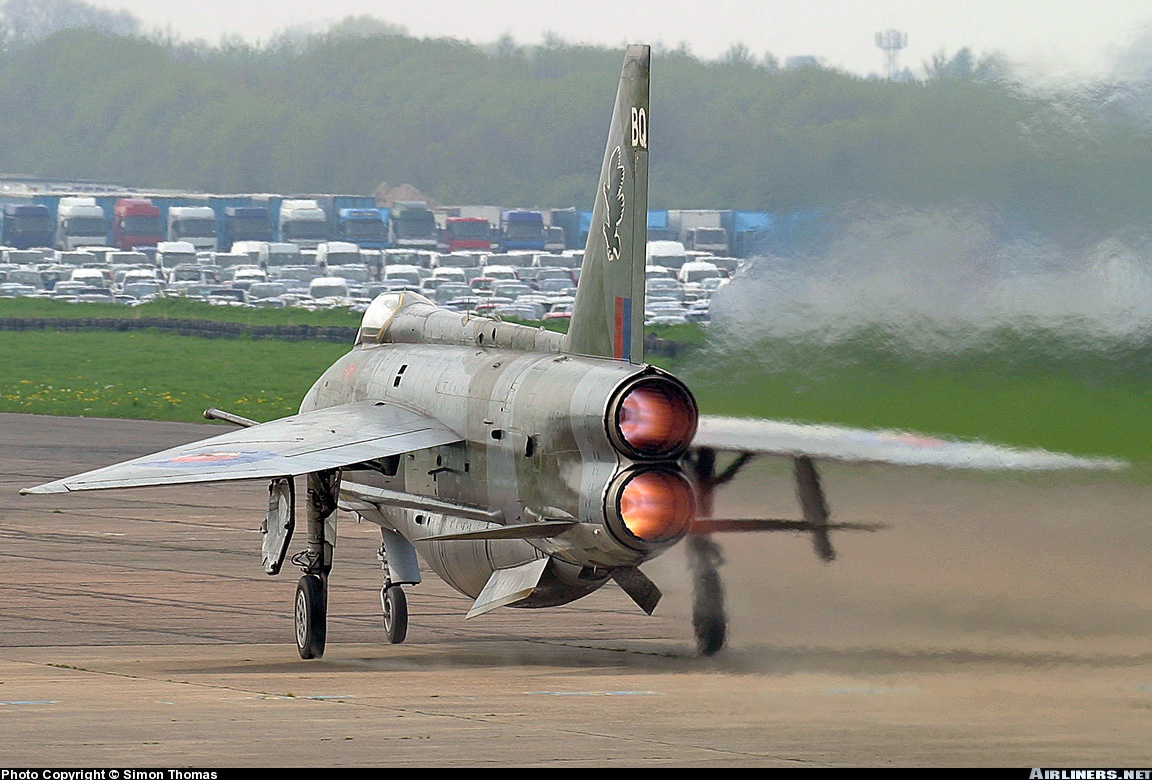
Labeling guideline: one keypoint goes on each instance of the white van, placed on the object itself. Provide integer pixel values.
(276, 254)
(693, 274)
(669, 254)
(170, 254)
(332, 253)
(250, 248)
(328, 287)
(93, 277)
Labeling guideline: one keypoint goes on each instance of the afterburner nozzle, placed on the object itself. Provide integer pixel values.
(650, 507)
(654, 419)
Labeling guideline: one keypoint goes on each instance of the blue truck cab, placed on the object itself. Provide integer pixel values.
(244, 223)
(26, 225)
(365, 227)
(522, 230)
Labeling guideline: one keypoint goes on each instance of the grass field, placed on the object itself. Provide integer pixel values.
(176, 309)
(1038, 389)
(157, 376)
(1032, 390)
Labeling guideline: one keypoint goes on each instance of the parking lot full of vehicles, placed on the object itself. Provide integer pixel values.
(525, 285)
(326, 251)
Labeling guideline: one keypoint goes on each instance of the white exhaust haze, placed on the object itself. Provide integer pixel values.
(941, 280)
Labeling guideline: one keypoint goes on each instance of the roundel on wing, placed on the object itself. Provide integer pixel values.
(196, 459)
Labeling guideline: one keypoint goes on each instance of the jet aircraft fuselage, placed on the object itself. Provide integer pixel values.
(546, 436)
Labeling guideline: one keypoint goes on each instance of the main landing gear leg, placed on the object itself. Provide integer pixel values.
(709, 620)
(311, 607)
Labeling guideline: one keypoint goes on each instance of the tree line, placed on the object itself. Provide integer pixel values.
(345, 110)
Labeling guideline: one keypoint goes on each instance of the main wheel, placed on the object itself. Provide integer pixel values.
(708, 618)
(311, 615)
(395, 606)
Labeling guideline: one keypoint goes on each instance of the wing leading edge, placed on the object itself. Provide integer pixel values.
(772, 437)
(312, 441)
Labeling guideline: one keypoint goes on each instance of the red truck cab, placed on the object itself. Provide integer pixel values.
(466, 233)
(136, 222)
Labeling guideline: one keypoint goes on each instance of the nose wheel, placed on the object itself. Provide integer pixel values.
(311, 615)
(394, 604)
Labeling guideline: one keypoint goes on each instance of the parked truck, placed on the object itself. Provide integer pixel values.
(136, 222)
(26, 225)
(80, 222)
(332, 205)
(412, 225)
(754, 232)
(244, 223)
(567, 220)
(713, 240)
(554, 239)
(302, 222)
(522, 230)
(658, 229)
(364, 227)
(700, 229)
(194, 224)
(463, 234)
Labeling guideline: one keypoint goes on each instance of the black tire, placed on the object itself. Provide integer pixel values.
(311, 616)
(708, 617)
(395, 607)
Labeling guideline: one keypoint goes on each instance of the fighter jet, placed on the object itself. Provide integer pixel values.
(524, 467)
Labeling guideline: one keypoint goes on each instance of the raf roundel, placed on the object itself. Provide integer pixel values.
(212, 458)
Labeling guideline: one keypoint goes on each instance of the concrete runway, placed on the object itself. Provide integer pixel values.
(998, 622)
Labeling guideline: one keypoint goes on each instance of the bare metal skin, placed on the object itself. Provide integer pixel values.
(535, 444)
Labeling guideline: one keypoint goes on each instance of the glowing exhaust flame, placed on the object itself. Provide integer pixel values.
(656, 420)
(657, 506)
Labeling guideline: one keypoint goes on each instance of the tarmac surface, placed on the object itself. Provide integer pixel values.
(997, 622)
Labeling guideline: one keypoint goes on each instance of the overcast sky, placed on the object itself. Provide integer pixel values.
(1060, 36)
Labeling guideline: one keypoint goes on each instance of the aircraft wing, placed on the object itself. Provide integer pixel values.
(312, 441)
(773, 437)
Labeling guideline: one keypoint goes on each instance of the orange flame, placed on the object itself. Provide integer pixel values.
(654, 421)
(657, 506)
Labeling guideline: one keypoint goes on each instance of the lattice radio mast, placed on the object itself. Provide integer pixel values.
(892, 41)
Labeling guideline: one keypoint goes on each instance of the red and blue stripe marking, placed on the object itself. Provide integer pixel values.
(622, 329)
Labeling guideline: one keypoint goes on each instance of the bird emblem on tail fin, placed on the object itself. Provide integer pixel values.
(614, 205)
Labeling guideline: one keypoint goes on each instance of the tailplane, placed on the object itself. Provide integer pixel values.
(608, 315)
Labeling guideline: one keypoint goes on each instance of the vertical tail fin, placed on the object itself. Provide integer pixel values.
(608, 316)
